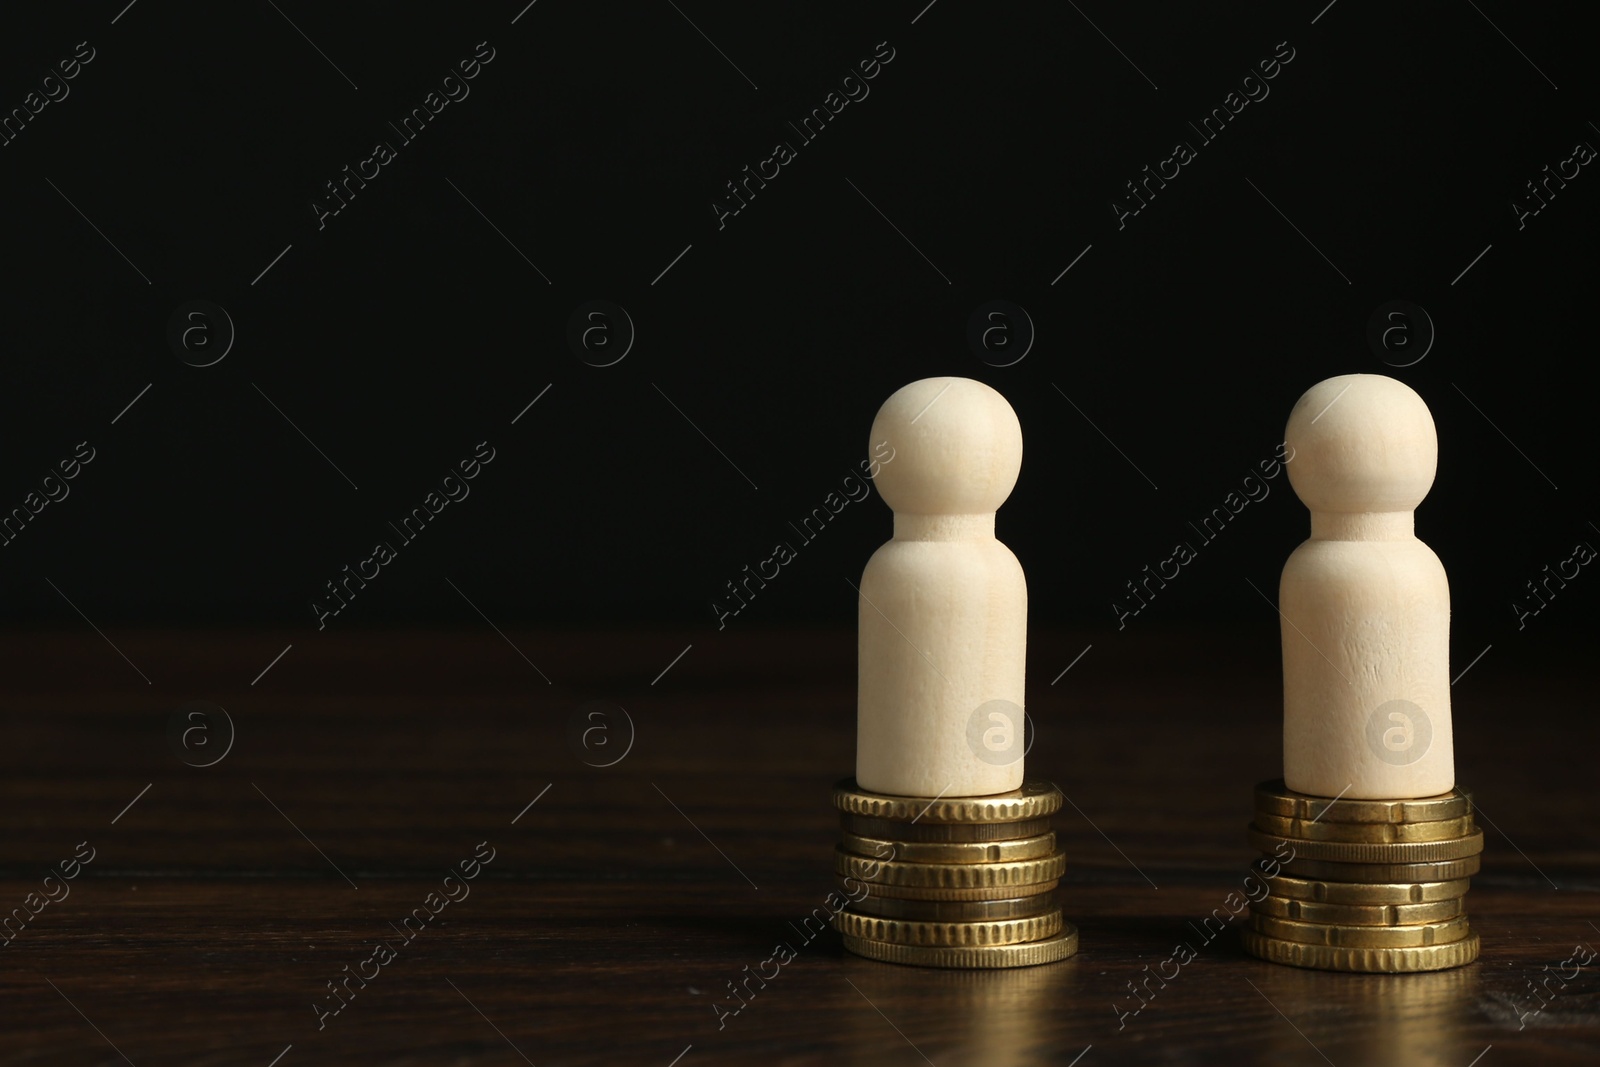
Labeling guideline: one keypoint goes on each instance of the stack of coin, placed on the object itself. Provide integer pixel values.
(1363, 885)
(952, 881)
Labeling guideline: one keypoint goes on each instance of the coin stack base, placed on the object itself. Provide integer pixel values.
(1373, 886)
(952, 881)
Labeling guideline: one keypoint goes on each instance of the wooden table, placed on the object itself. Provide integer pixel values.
(221, 901)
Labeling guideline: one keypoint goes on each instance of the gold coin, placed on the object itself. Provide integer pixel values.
(950, 875)
(967, 934)
(903, 830)
(1377, 893)
(1439, 933)
(934, 893)
(1375, 833)
(1274, 798)
(1364, 960)
(1022, 848)
(1311, 911)
(956, 910)
(1033, 800)
(1359, 852)
(1336, 871)
(1051, 949)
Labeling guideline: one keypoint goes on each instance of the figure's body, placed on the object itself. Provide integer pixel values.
(943, 607)
(1365, 605)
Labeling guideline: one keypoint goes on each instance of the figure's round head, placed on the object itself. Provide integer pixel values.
(957, 448)
(1361, 442)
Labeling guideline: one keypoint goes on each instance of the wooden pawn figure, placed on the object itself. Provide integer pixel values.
(943, 606)
(1365, 605)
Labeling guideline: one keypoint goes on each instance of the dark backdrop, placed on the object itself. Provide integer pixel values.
(424, 317)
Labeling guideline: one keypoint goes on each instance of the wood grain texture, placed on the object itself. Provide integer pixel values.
(619, 906)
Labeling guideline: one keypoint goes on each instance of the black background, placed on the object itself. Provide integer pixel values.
(408, 329)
